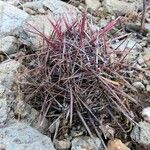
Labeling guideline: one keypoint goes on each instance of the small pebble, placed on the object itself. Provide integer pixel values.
(143, 44)
(116, 144)
(139, 85)
(140, 133)
(140, 60)
(148, 88)
(145, 82)
(42, 11)
(146, 114)
(62, 144)
(29, 11)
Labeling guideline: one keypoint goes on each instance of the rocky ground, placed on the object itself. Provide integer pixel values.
(19, 121)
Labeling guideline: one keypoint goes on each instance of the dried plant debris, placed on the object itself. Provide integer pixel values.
(78, 80)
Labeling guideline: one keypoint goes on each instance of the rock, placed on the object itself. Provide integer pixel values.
(147, 27)
(140, 60)
(23, 37)
(141, 132)
(62, 144)
(26, 112)
(8, 69)
(2, 90)
(107, 131)
(148, 88)
(19, 136)
(76, 133)
(15, 107)
(29, 11)
(42, 11)
(7, 73)
(132, 56)
(120, 6)
(34, 7)
(13, 2)
(146, 56)
(93, 4)
(2, 147)
(143, 43)
(87, 143)
(61, 9)
(30, 116)
(57, 11)
(81, 7)
(130, 43)
(145, 82)
(138, 67)
(135, 28)
(103, 22)
(116, 144)
(42, 24)
(9, 45)
(146, 114)
(139, 85)
(11, 18)
(3, 110)
(147, 74)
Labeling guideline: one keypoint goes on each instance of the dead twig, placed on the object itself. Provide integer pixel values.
(143, 16)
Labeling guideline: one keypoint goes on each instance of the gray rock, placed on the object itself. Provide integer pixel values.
(9, 45)
(93, 4)
(139, 85)
(147, 74)
(81, 7)
(141, 132)
(103, 22)
(148, 88)
(147, 27)
(132, 55)
(87, 143)
(145, 82)
(22, 36)
(19, 136)
(13, 2)
(29, 11)
(135, 28)
(59, 8)
(3, 110)
(130, 43)
(140, 60)
(143, 43)
(139, 67)
(34, 7)
(9, 91)
(62, 144)
(146, 114)
(7, 73)
(2, 90)
(8, 69)
(11, 18)
(120, 6)
(42, 24)
(30, 116)
(146, 54)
